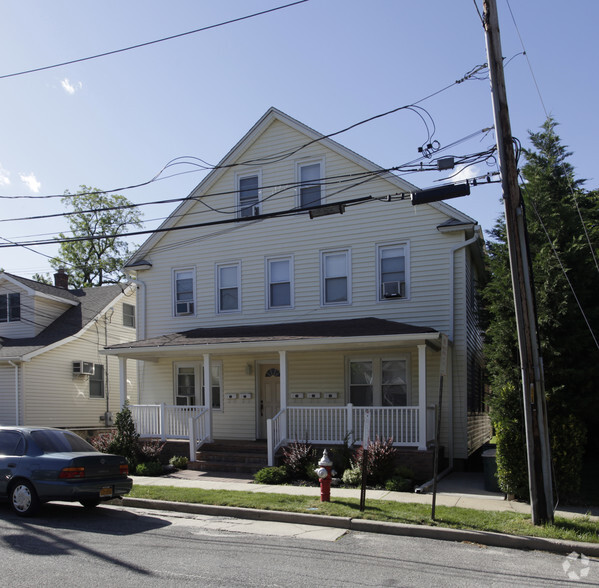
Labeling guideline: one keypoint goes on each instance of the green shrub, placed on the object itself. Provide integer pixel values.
(179, 461)
(399, 484)
(341, 456)
(352, 476)
(272, 475)
(150, 468)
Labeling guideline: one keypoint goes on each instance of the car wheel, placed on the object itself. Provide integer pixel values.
(90, 502)
(23, 498)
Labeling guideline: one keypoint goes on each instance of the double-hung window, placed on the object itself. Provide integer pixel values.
(184, 292)
(228, 278)
(128, 315)
(335, 277)
(279, 272)
(392, 271)
(310, 189)
(249, 196)
(189, 384)
(378, 381)
(96, 382)
(10, 307)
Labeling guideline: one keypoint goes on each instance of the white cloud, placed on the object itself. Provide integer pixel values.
(4, 176)
(31, 182)
(70, 88)
(467, 173)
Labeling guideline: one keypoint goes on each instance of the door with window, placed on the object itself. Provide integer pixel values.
(270, 396)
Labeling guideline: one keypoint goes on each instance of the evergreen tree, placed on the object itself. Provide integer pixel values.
(566, 279)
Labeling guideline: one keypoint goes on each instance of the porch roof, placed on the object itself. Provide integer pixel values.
(277, 337)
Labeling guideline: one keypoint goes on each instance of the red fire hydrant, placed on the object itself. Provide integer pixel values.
(325, 472)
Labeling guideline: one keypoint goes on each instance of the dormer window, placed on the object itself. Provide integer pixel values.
(10, 307)
(249, 196)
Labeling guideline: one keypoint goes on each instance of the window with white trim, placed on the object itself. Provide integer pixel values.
(310, 189)
(184, 292)
(189, 384)
(128, 315)
(228, 278)
(216, 385)
(392, 264)
(96, 382)
(10, 307)
(248, 196)
(279, 275)
(335, 277)
(378, 381)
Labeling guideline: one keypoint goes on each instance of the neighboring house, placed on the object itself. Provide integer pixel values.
(51, 371)
(295, 319)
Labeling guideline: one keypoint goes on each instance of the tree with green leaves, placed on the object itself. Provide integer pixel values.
(562, 221)
(102, 217)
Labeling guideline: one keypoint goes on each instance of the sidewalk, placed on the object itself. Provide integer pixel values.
(457, 489)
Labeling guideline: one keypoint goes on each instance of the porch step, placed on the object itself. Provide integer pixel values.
(231, 456)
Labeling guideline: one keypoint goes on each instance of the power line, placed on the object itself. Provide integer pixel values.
(147, 43)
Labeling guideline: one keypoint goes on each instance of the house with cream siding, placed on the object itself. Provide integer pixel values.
(51, 370)
(297, 294)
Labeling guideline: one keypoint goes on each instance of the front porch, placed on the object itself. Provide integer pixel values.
(407, 426)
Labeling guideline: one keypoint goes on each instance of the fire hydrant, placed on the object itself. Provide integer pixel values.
(325, 472)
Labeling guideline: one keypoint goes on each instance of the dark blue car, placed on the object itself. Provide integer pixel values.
(39, 464)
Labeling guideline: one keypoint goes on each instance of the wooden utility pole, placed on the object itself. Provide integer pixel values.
(533, 388)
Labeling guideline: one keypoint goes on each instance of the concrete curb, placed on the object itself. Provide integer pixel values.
(424, 531)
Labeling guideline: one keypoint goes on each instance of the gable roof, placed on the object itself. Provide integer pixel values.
(37, 288)
(312, 136)
(88, 304)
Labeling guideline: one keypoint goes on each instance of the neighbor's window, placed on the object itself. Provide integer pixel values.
(228, 279)
(335, 277)
(249, 196)
(310, 190)
(128, 315)
(279, 283)
(392, 272)
(96, 382)
(184, 292)
(10, 307)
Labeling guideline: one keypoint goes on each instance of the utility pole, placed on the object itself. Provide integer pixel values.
(533, 388)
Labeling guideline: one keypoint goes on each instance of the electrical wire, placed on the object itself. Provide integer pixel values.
(147, 43)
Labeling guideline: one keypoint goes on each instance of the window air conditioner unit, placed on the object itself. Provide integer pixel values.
(184, 308)
(394, 289)
(83, 368)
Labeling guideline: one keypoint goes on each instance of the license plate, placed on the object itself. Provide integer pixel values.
(106, 491)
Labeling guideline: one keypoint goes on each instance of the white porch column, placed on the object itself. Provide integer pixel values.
(123, 380)
(283, 371)
(422, 396)
(208, 395)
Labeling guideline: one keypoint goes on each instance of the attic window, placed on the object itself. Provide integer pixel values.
(249, 198)
(10, 307)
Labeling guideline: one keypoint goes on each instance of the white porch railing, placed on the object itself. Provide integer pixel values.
(344, 424)
(163, 420)
(199, 432)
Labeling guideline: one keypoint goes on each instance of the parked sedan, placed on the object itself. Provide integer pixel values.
(39, 464)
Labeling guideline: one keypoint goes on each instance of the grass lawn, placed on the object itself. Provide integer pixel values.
(579, 529)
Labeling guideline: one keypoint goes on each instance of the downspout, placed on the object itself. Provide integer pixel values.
(16, 366)
(452, 253)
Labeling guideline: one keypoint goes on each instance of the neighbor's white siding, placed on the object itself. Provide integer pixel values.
(7, 395)
(54, 397)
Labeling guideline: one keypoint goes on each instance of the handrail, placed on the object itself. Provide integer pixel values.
(199, 431)
(274, 435)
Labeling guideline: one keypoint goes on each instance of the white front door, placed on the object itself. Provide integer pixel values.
(270, 396)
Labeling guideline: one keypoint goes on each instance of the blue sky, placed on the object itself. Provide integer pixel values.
(116, 121)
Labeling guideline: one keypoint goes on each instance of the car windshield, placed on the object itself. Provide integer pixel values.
(59, 441)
